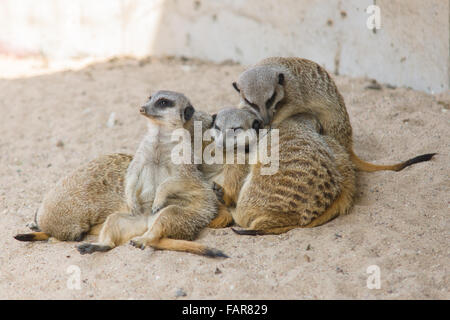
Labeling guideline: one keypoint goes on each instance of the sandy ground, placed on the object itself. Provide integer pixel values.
(52, 123)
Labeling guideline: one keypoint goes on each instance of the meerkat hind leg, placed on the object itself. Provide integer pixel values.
(265, 225)
(270, 223)
(161, 228)
(117, 229)
(96, 229)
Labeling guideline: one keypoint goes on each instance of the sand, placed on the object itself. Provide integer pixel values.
(52, 123)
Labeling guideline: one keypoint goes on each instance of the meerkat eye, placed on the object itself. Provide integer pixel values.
(164, 103)
(271, 100)
(253, 105)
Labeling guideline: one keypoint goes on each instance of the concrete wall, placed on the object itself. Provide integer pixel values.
(410, 49)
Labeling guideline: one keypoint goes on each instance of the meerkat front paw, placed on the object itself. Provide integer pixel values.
(138, 242)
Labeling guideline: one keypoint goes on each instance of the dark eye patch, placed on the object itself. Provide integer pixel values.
(164, 103)
(253, 105)
(271, 100)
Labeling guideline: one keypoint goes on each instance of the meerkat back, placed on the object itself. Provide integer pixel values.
(307, 188)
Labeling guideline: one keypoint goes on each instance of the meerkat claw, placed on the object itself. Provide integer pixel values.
(85, 248)
(246, 232)
(90, 248)
(137, 244)
(157, 209)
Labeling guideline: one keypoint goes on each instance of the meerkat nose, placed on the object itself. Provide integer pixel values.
(142, 110)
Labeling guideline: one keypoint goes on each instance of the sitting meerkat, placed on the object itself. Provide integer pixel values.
(81, 201)
(170, 203)
(315, 181)
(278, 88)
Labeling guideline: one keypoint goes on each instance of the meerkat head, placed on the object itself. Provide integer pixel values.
(261, 89)
(169, 109)
(233, 126)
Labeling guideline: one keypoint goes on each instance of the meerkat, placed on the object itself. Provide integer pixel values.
(278, 88)
(238, 121)
(170, 203)
(315, 181)
(80, 202)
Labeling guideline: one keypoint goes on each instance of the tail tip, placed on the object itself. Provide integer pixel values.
(421, 158)
(24, 237)
(244, 232)
(214, 253)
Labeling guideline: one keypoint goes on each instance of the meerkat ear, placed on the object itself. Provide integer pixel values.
(281, 79)
(188, 112)
(320, 127)
(236, 87)
(257, 125)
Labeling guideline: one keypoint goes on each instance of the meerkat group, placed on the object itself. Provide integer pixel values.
(278, 88)
(300, 99)
(149, 201)
(169, 203)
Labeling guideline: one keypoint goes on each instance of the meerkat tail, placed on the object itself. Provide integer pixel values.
(187, 246)
(274, 230)
(33, 236)
(370, 167)
(223, 219)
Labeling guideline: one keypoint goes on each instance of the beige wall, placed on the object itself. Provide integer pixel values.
(410, 49)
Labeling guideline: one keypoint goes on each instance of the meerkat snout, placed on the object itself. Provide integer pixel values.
(261, 89)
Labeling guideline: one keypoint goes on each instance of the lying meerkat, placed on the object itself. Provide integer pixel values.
(315, 181)
(278, 88)
(170, 203)
(80, 202)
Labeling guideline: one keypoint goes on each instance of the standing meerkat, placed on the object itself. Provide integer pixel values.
(278, 88)
(170, 203)
(315, 181)
(80, 202)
